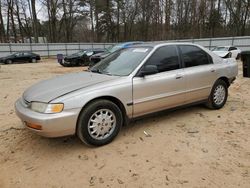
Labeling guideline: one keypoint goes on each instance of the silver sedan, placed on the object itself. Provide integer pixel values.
(128, 83)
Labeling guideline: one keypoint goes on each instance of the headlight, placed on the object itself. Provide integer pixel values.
(46, 108)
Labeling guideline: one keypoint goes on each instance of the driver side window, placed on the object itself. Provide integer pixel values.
(165, 58)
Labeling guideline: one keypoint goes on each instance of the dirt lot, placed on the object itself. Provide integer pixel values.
(191, 147)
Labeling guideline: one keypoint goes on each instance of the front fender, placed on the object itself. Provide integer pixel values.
(78, 99)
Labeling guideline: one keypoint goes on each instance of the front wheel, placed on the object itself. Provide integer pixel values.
(65, 63)
(218, 96)
(99, 123)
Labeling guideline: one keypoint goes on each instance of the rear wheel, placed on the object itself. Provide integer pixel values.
(33, 60)
(99, 123)
(8, 61)
(218, 96)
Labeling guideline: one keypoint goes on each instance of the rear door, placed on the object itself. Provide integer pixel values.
(162, 90)
(200, 72)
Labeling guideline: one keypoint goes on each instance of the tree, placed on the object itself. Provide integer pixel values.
(122, 20)
(2, 29)
(34, 16)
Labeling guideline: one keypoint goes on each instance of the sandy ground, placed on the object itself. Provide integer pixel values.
(191, 147)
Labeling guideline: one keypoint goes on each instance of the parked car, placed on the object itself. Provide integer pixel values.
(81, 58)
(127, 84)
(98, 57)
(20, 57)
(227, 51)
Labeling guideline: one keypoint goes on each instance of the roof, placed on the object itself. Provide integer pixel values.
(90, 49)
(154, 44)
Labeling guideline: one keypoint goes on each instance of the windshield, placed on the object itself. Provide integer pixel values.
(220, 49)
(122, 62)
(114, 48)
(80, 53)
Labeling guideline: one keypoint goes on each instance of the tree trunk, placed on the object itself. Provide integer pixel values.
(35, 29)
(49, 21)
(97, 21)
(2, 29)
(10, 3)
(19, 21)
(92, 21)
(118, 20)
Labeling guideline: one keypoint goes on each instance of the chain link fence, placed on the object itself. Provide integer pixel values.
(48, 49)
(52, 49)
(242, 43)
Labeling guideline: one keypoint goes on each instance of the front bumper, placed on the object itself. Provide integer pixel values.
(53, 125)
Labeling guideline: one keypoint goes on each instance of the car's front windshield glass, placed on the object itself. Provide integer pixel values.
(17, 54)
(121, 62)
(220, 49)
(115, 48)
(80, 53)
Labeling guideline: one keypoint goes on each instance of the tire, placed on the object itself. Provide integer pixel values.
(98, 131)
(8, 61)
(33, 60)
(218, 95)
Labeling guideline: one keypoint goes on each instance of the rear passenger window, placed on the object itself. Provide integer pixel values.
(194, 56)
(165, 58)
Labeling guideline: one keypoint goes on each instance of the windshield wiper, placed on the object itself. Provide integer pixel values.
(107, 73)
(96, 71)
(99, 72)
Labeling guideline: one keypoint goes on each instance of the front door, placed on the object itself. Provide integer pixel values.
(164, 89)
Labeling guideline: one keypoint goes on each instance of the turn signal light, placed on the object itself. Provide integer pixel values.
(33, 126)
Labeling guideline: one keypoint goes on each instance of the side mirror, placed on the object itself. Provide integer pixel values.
(148, 70)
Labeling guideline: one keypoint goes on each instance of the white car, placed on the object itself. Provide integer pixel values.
(227, 51)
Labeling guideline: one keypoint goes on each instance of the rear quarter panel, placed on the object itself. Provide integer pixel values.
(227, 68)
(224, 67)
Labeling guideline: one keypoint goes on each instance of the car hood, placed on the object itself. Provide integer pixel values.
(221, 53)
(47, 90)
(72, 56)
